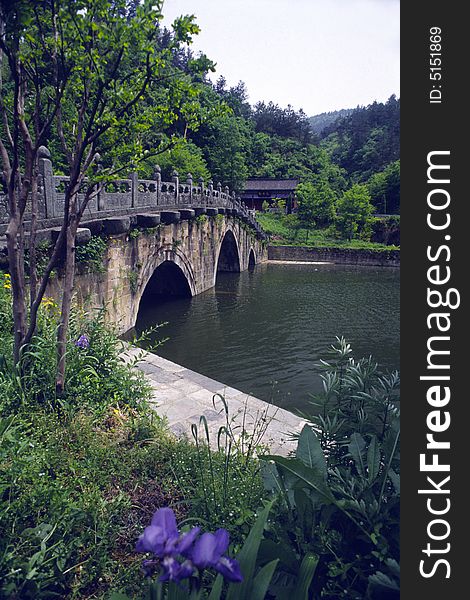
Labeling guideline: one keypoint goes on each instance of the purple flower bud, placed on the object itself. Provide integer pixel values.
(161, 536)
(82, 342)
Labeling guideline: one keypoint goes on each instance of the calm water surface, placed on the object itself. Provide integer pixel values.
(264, 331)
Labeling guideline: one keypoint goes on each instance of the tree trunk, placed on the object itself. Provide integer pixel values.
(33, 275)
(15, 260)
(66, 295)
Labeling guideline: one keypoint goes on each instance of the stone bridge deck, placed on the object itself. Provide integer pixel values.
(130, 196)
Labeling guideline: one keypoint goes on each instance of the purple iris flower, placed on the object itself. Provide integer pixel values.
(162, 537)
(82, 342)
(208, 551)
(181, 554)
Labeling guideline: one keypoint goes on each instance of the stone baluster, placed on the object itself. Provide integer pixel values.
(201, 185)
(234, 200)
(227, 194)
(157, 175)
(176, 180)
(45, 172)
(219, 188)
(189, 181)
(100, 199)
(210, 186)
(134, 187)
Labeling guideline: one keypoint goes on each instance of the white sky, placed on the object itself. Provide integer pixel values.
(319, 55)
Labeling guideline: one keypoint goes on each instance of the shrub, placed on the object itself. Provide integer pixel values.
(339, 496)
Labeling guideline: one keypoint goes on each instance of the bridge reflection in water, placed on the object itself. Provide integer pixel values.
(264, 331)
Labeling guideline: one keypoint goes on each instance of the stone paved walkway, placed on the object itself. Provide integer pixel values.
(182, 396)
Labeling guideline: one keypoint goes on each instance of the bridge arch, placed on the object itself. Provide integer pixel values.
(169, 272)
(168, 279)
(228, 256)
(252, 259)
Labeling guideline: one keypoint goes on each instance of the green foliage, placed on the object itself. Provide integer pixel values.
(265, 205)
(133, 277)
(354, 213)
(135, 233)
(97, 376)
(288, 230)
(316, 204)
(384, 188)
(386, 230)
(219, 219)
(365, 141)
(339, 496)
(185, 157)
(201, 219)
(92, 254)
(230, 489)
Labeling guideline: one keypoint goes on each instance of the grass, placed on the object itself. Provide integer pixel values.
(277, 226)
(81, 476)
(77, 494)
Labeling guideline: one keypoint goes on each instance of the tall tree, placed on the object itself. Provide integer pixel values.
(80, 71)
(354, 213)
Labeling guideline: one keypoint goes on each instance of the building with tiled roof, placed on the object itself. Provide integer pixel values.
(259, 190)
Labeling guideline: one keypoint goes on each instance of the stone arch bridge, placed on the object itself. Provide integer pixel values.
(180, 258)
(162, 238)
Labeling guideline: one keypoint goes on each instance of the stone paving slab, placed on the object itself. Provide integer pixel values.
(182, 396)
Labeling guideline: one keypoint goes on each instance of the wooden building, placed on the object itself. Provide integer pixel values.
(259, 190)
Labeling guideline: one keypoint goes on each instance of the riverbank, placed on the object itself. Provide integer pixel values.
(343, 256)
(184, 396)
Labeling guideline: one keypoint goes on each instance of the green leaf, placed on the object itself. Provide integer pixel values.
(305, 475)
(216, 591)
(356, 448)
(269, 550)
(305, 576)
(262, 580)
(176, 592)
(247, 558)
(309, 450)
(373, 459)
(395, 479)
(304, 507)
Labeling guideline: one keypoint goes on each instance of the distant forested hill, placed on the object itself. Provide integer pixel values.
(366, 141)
(365, 144)
(318, 123)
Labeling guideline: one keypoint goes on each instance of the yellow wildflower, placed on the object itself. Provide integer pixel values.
(46, 302)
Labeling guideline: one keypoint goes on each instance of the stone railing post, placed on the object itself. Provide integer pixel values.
(45, 172)
(234, 200)
(157, 175)
(219, 188)
(201, 185)
(189, 181)
(134, 188)
(210, 186)
(227, 193)
(100, 204)
(176, 180)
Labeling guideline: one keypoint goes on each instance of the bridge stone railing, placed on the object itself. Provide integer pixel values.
(124, 195)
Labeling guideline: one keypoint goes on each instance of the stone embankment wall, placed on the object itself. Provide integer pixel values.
(375, 258)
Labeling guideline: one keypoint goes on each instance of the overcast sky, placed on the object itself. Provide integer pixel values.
(318, 55)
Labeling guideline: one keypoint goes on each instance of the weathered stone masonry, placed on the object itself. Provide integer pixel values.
(194, 246)
(192, 229)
